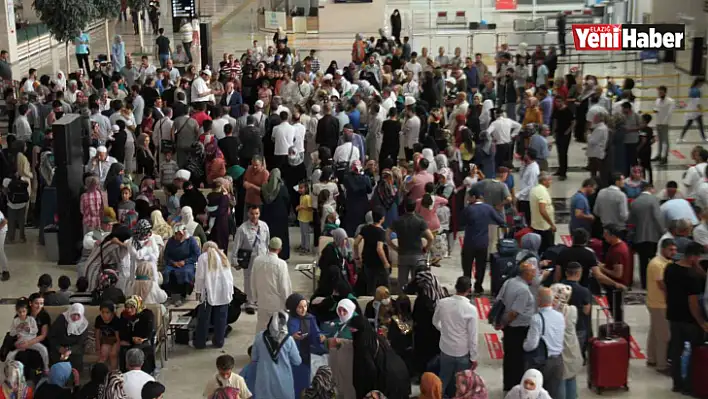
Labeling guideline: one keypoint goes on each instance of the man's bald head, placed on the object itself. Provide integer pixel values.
(527, 271)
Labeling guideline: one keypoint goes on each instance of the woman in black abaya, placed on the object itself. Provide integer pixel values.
(396, 25)
(376, 365)
(276, 209)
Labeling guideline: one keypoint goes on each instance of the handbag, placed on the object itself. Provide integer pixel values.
(536, 359)
(341, 167)
(243, 256)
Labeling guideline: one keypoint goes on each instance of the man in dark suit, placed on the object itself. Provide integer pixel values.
(232, 99)
(180, 107)
(645, 215)
(251, 143)
(327, 129)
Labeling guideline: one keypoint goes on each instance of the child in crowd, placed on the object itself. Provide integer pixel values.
(172, 201)
(24, 329)
(304, 217)
(168, 169)
(82, 295)
(646, 139)
(107, 327)
(126, 204)
(64, 285)
(225, 377)
(249, 371)
(472, 178)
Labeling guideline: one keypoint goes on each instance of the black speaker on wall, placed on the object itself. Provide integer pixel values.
(205, 41)
(68, 176)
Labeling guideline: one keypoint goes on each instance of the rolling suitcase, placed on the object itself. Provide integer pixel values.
(699, 371)
(615, 329)
(499, 265)
(608, 362)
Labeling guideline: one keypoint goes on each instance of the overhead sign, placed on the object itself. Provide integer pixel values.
(506, 4)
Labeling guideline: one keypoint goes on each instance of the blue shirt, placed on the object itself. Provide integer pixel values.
(579, 201)
(355, 118)
(82, 48)
(540, 145)
(547, 108)
(478, 217)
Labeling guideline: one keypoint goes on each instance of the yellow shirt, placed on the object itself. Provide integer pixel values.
(655, 273)
(465, 154)
(235, 381)
(305, 213)
(540, 195)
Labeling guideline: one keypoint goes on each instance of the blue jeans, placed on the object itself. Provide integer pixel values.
(207, 316)
(568, 389)
(163, 59)
(449, 366)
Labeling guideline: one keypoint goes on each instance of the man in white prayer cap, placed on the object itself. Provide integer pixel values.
(340, 83)
(182, 176)
(100, 164)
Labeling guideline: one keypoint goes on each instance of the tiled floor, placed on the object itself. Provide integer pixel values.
(188, 369)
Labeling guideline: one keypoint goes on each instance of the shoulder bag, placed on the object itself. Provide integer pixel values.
(536, 359)
(243, 256)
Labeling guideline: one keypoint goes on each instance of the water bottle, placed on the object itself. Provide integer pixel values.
(685, 358)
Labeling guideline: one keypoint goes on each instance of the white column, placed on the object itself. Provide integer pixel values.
(8, 41)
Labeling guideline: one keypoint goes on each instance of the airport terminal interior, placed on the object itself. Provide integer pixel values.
(431, 24)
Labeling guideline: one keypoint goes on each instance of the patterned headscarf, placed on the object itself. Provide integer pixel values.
(375, 395)
(226, 393)
(15, 386)
(136, 302)
(561, 296)
(470, 386)
(141, 232)
(113, 387)
(109, 277)
(429, 285)
(322, 385)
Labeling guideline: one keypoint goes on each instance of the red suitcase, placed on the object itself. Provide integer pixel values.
(699, 371)
(608, 363)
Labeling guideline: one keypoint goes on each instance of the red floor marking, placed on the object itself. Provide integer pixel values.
(677, 154)
(567, 241)
(483, 307)
(494, 346)
(635, 350)
(602, 302)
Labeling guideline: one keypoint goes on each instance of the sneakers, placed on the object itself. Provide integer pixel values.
(5, 276)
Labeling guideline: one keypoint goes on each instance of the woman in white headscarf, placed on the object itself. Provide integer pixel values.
(118, 53)
(194, 229)
(67, 336)
(274, 354)
(341, 350)
(485, 118)
(432, 165)
(531, 387)
(214, 286)
(145, 285)
(59, 81)
(572, 357)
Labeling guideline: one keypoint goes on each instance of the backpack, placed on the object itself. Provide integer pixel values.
(17, 191)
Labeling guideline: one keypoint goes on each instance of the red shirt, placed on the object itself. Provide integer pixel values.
(200, 117)
(621, 254)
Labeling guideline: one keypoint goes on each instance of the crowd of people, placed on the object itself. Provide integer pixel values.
(192, 176)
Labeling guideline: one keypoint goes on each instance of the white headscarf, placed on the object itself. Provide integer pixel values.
(561, 296)
(59, 82)
(347, 305)
(485, 118)
(535, 376)
(430, 157)
(75, 327)
(188, 220)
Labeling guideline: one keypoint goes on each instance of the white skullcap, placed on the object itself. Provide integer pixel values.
(451, 80)
(409, 101)
(92, 152)
(115, 128)
(102, 148)
(315, 108)
(339, 72)
(6, 182)
(206, 72)
(183, 175)
(259, 104)
(328, 76)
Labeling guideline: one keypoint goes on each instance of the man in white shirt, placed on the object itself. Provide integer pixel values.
(457, 320)
(146, 70)
(298, 133)
(502, 131)
(28, 87)
(597, 144)
(22, 128)
(347, 151)
(288, 91)
(529, 178)
(414, 66)
(270, 283)
(695, 173)
(389, 101)
(410, 87)
(218, 123)
(304, 90)
(135, 377)
(664, 109)
(411, 128)
(172, 72)
(284, 138)
(548, 325)
(200, 88)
